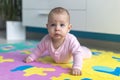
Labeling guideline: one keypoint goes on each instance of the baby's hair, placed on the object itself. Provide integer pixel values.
(58, 10)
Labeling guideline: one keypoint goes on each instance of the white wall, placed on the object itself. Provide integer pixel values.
(35, 12)
(103, 16)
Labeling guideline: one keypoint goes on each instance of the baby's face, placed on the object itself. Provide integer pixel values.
(58, 26)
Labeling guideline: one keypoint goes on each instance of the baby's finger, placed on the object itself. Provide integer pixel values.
(79, 73)
(76, 72)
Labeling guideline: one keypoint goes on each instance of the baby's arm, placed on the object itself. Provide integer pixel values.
(38, 51)
(76, 51)
(34, 56)
(77, 64)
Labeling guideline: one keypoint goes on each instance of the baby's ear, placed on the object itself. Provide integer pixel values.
(69, 27)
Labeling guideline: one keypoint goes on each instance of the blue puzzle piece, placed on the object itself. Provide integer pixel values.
(86, 79)
(96, 53)
(108, 70)
(118, 59)
(21, 68)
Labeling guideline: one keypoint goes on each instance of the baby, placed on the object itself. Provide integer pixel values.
(60, 44)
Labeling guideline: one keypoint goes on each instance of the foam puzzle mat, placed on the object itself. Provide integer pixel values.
(104, 65)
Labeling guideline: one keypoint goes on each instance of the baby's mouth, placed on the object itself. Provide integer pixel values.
(57, 34)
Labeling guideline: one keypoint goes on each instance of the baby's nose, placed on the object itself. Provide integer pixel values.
(57, 28)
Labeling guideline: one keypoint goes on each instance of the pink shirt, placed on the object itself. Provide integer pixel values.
(70, 48)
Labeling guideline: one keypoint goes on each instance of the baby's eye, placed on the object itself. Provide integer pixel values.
(62, 25)
(52, 25)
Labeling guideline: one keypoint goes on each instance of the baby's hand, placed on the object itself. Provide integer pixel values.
(76, 72)
(28, 60)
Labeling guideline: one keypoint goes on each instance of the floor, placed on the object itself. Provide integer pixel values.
(96, 68)
(97, 44)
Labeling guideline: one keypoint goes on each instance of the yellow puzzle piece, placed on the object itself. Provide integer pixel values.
(5, 60)
(38, 71)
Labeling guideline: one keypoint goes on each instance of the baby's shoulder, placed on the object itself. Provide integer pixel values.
(71, 36)
(46, 37)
